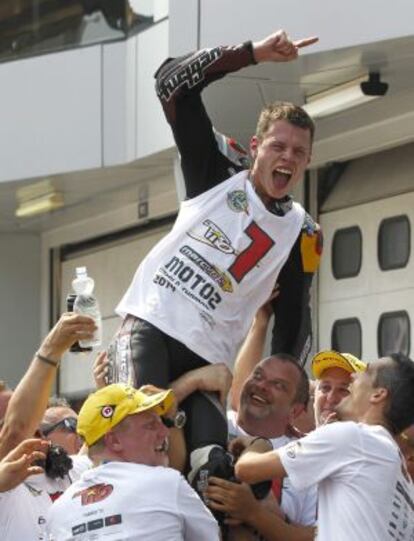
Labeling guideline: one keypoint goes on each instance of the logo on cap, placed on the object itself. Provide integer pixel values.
(107, 412)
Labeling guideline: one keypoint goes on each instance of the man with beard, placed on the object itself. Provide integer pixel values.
(59, 426)
(364, 489)
(275, 393)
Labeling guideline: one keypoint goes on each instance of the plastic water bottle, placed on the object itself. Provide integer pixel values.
(87, 305)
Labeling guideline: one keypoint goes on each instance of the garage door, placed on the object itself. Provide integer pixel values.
(366, 294)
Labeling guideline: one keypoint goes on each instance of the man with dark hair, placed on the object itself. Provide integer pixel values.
(364, 489)
(397, 377)
(273, 395)
(194, 296)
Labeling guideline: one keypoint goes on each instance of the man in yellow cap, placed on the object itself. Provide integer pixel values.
(332, 371)
(130, 493)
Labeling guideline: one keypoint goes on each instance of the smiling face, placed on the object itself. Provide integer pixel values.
(280, 159)
(363, 393)
(332, 387)
(141, 438)
(267, 399)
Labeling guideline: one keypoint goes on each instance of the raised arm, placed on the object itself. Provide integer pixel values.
(251, 351)
(258, 462)
(179, 83)
(28, 402)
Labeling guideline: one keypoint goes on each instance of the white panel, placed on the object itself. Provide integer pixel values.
(184, 28)
(112, 268)
(153, 132)
(119, 102)
(50, 114)
(227, 22)
(20, 298)
(373, 291)
(161, 9)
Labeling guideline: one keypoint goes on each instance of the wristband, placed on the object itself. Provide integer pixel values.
(46, 360)
(249, 46)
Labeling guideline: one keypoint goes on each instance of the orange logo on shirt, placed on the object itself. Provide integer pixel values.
(94, 494)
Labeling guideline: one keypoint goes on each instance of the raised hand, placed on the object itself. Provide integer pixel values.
(278, 47)
(18, 464)
(70, 328)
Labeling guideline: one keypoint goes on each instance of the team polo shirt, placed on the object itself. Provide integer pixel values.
(204, 281)
(364, 490)
(122, 500)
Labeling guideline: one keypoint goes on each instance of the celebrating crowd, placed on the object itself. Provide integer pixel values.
(192, 434)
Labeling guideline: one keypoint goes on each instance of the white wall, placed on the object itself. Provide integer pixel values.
(153, 132)
(84, 108)
(338, 24)
(50, 114)
(20, 299)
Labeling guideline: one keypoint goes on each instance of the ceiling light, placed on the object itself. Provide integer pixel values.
(345, 96)
(37, 198)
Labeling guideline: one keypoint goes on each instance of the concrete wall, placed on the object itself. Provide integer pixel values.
(20, 301)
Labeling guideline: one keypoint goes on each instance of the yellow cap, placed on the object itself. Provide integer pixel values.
(108, 406)
(333, 359)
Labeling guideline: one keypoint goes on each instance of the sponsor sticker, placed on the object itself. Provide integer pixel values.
(237, 201)
(78, 529)
(107, 411)
(112, 520)
(93, 494)
(219, 276)
(95, 524)
(210, 233)
(292, 449)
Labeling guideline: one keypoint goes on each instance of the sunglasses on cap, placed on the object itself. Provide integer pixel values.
(68, 424)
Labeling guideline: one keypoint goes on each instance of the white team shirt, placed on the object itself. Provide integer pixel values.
(23, 509)
(364, 491)
(215, 268)
(131, 502)
(298, 505)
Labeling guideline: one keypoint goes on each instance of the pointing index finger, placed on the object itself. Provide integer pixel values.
(305, 42)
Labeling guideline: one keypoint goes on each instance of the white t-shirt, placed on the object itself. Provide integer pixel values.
(126, 501)
(364, 491)
(23, 510)
(204, 281)
(298, 505)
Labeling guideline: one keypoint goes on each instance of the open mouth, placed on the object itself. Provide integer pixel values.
(163, 448)
(282, 176)
(258, 400)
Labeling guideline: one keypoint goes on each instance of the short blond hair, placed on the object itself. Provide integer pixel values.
(282, 110)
